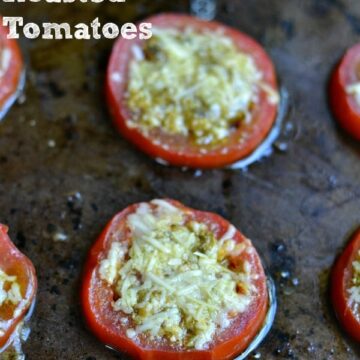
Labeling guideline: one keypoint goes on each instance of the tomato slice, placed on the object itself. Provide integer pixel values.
(97, 297)
(344, 104)
(11, 70)
(13, 263)
(179, 150)
(341, 281)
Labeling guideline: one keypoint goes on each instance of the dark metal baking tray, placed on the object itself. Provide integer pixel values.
(63, 168)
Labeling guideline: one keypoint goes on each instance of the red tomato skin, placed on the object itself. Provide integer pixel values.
(116, 338)
(343, 105)
(9, 84)
(182, 153)
(14, 261)
(340, 278)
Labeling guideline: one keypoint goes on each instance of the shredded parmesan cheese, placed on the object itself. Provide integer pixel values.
(173, 279)
(198, 85)
(354, 90)
(9, 290)
(354, 291)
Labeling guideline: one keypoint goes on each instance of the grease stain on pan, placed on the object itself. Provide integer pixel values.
(203, 9)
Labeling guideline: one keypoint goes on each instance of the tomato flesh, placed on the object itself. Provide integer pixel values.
(12, 76)
(344, 105)
(97, 297)
(179, 150)
(341, 279)
(14, 263)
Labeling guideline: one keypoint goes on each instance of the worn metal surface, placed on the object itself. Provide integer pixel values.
(298, 206)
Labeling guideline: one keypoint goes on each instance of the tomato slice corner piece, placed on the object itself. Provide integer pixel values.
(344, 105)
(97, 298)
(341, 278)
(15, 264)
(179, 150)
(11, 70)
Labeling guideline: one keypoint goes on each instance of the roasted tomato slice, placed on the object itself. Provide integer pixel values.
(18, 287)
(344, 92)
(345, 287)
(197, 94)
(11, 70)
(164, 281)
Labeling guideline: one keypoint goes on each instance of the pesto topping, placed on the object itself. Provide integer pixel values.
(197, 85)
(174, 280)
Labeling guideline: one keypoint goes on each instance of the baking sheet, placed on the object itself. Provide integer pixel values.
(65, 170)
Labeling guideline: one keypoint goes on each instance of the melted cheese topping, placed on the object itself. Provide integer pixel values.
(9, 290)
(195, 85)
(354, 291)
(354, 90)
(173, 280)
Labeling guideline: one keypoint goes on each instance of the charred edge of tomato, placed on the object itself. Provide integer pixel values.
(9, 102)
(268, 321)
(23, 322)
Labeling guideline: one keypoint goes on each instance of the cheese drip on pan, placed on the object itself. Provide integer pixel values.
(173, 279)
